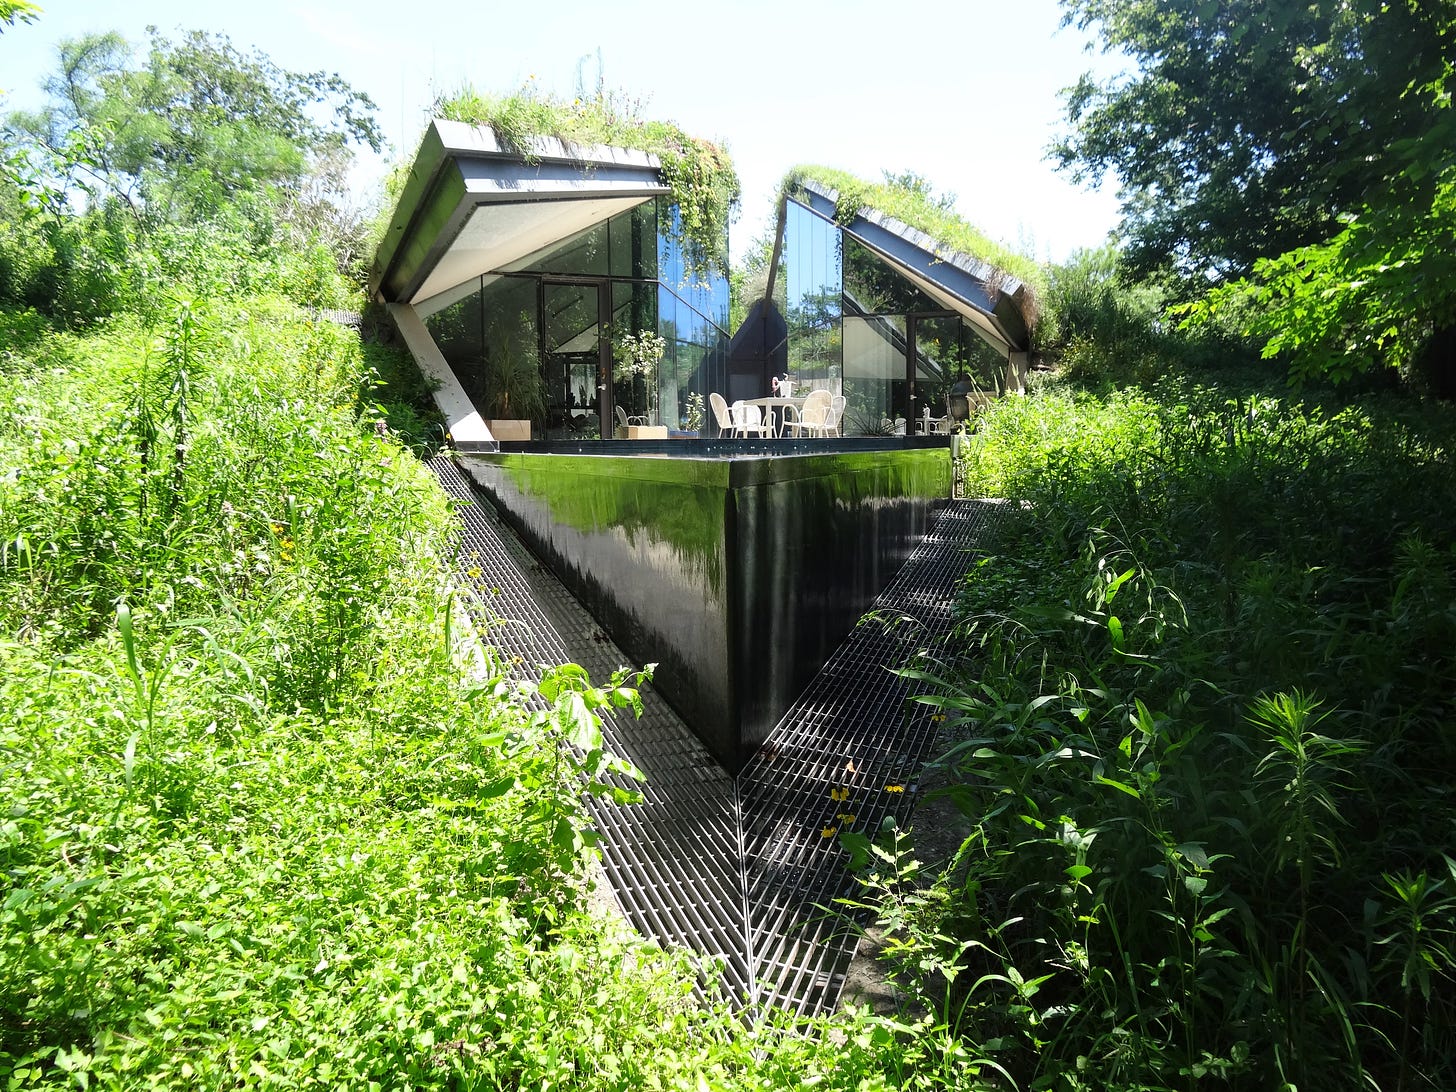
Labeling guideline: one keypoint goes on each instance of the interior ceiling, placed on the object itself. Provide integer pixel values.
(499, 234)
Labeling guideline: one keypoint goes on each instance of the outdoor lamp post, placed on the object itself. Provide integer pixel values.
(958, 402)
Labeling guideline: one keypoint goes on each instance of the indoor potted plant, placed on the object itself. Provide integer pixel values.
(514, 390)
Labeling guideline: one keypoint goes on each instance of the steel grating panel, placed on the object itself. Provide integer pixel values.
(844, 758)
(744, 872)
(671, 861)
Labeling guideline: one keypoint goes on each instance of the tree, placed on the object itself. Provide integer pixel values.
(193, 128)
(1298, 158)
(1250, 126)
(1382, 290)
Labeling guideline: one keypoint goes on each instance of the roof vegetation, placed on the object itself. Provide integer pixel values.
(910, 199)
(699, 173)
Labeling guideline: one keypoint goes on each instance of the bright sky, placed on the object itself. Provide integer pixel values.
(964, 93)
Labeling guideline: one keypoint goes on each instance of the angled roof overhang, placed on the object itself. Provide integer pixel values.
(989, 299)
(471, 206)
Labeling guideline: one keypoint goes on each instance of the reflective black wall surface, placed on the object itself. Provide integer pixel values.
(738, 576)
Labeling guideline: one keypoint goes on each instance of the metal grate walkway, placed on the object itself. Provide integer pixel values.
(741, 871)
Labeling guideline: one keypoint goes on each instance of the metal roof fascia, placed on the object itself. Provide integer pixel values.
(941, 273)
(460, 166)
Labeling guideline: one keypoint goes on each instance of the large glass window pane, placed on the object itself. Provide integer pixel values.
(693, 366)
(940, 360)
(985, 362)
(874, 287)
(583, 255)
(457, 331)
(947, 351)
(572, 360)
(706, 290)
(633, 238)
(814, 300)
(875, 391)
(638, 381)
(505, 383)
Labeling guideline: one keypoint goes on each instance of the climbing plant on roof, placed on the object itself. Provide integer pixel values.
(699, 173)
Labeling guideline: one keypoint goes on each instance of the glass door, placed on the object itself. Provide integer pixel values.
(939, 362)
(572, 361)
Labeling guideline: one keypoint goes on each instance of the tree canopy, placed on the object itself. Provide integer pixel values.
(1249, 126)
(1300, 154)
(188, 162)
(194, 126)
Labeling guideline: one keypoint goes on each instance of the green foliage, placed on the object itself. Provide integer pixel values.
(1199, 736)
(1373, 294)
(1101, 326)
(514, 387)
(180, 137)
(268, 821)
(1246, 127)
(17, 11)
(908, 198)
(203, 169)
(699, 173)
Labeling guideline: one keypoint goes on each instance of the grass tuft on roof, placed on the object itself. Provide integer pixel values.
(908, 198)
(700, 173)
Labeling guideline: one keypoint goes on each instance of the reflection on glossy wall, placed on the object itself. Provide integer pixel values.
(814, 284)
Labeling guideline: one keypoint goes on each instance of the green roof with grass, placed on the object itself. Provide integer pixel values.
(700, 173)
(912, 203)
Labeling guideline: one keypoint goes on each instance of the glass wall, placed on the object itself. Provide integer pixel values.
(692, 315)
(860, 327)
(813, 307)
(874, 373)
(555, 338)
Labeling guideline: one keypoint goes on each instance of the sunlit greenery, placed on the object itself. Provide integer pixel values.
(1199, 719)
(1301, 151)
(274, 818)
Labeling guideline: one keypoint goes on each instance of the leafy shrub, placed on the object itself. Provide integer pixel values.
(1104, 328)
(1200, 712)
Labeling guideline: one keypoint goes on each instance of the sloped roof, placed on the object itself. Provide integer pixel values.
(472, 205)
(993, 301)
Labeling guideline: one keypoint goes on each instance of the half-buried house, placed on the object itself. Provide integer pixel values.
(576, 334)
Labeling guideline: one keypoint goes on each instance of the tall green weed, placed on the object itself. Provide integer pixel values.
(1201, 704)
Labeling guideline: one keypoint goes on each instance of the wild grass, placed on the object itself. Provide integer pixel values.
(265, 823)
(1203, 701)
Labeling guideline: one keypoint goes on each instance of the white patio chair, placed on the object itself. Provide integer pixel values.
(721, 413)
(815, 418)
(748, 419)
(836, 409)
